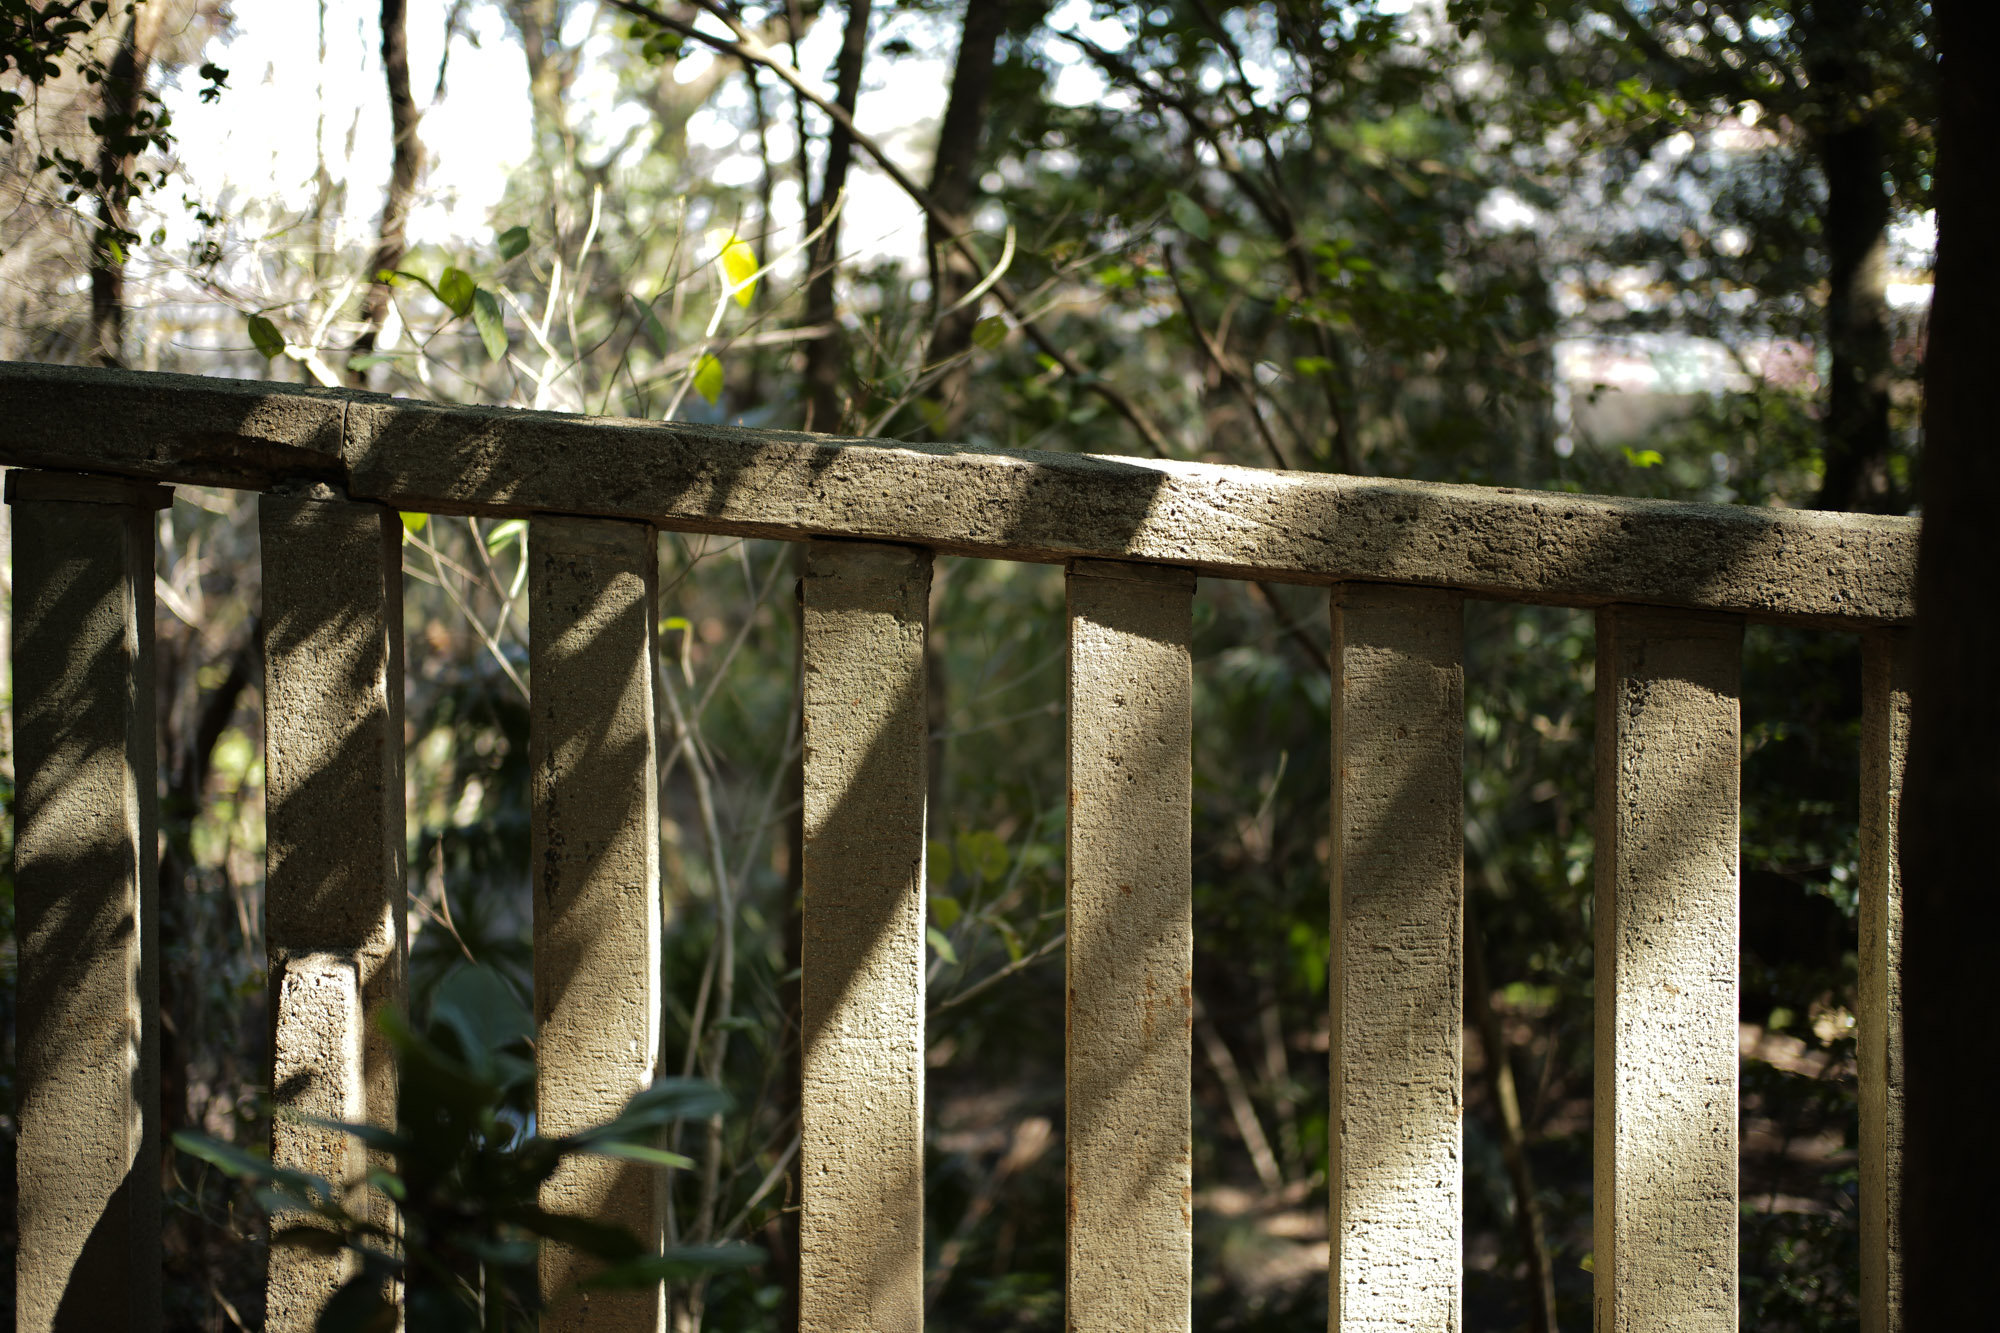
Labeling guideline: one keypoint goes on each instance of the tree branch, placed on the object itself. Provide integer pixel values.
(747, 47)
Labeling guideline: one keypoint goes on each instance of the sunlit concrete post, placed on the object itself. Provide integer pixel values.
(593, 614)
(861, 1153)
(1397, 981)
(87, 910)
(1130, 952)
(1885, 744)
(1668, 829)
(335, 899)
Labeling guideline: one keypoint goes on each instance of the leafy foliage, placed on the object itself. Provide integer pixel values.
(467, 1170)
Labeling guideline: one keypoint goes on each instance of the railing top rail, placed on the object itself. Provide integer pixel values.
(1832, 570)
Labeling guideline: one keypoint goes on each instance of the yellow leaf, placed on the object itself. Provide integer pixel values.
(739, 264)
(415, 522)
(708, 378)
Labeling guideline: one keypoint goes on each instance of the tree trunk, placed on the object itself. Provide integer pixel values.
(954, 186)
(124, 100)
(408, 160)
(1852, 154)
(825, 355)
(1953, 782)
(551, 67)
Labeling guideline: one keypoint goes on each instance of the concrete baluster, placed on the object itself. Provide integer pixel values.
(335, 904)
(861, 1221)
(1397, 982)
(87, 911)
(1130, 953)
(1668, 784)
(1885, 744)
(593, 590)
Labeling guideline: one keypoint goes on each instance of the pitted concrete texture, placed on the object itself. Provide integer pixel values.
(1668, 796)
(335, 901)
(318, 1030)
(1130, 952)
(1788, 565)
(595, 865)
(85, 864)
(1397, 992)
(861, 1152)
(1885, 745)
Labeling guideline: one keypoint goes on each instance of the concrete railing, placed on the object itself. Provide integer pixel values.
(1672, 585)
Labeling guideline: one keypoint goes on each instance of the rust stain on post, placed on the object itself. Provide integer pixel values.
(85, 863)
(595, 878)
(861, 1154)
(335, 901)
(1885, 745)
(1397, 992)
(1668, 829)
(1131, 947)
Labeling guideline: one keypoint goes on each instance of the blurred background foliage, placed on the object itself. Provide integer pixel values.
(1621, 246)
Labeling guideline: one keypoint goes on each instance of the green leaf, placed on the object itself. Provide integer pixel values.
(983, 854)
(233, 1161)
(264, 336)
(708, 377)
(661, 45)
(390, 275)
(941, 944)
(639, 1152)
(656, 332)
(505, 534)
(1008, 936)
(513, 241)
(455, 289)
(739, 262)
(937, 859)
(1187, 215)
(990, 332)
(415, 522)
(481, 1010)
(945, 911)
(1643, 457)
(358, 1307)
(653, 1108)
(490, 322)
(600, 1240)
(676, 1264)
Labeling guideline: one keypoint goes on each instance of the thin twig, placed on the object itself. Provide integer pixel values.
(993, 979)
(1241, 1109)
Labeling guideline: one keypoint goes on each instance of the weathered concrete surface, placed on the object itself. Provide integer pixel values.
(196, 429)
(1130, 953)
(861, 1152)
(1525, 545)
(1397, 991)
(595, 865)
(1831, 569)
(335, 900)
(87, 922)
(1885, 746)
(319, 1045)
(1668, 797)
